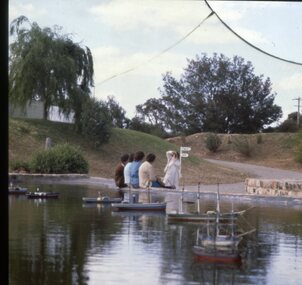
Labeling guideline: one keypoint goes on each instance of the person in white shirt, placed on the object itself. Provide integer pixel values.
(127, 169)
(172, 169)
(147, 175)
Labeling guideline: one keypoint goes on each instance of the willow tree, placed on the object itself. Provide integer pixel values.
(48, 66)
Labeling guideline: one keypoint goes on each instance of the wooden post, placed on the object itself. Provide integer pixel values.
(48, 143)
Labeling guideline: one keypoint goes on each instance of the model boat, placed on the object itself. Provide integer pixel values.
(218, 242)
(102, 200)
(17, 190)
(42, 195)
(132, 204)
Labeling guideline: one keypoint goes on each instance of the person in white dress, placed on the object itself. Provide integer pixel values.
(172, 169)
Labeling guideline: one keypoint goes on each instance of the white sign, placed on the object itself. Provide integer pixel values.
(185, 148)
(184, 155)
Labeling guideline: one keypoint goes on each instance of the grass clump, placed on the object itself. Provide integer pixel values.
(259, 139)
(20, 166)
(298, 149)
(213, 142)
(243, 146)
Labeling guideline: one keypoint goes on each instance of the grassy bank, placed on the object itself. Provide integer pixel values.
(267, 149)
(28, 136)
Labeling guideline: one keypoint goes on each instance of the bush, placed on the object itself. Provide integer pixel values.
(243, 146)
(20, 166)
(298, 150)
(259, 139)
(62, 158)
(213, 142)
(95, 122)
(289, 126)
(298, 156)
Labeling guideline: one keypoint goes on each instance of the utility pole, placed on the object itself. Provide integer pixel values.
(298, 114)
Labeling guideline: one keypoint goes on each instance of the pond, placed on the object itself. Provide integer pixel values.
(63, 241)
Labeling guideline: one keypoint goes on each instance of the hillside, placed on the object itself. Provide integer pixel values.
(28, 136)
(273, 150)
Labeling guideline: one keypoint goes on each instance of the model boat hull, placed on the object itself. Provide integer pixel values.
(140, 206)
(216, 256)
(182, 217)
(43, 195)
(17, 190)
(102, 200)
(221, 241)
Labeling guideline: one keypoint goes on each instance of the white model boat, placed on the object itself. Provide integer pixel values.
(102, 200)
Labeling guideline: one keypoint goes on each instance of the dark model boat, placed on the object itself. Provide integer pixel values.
(42, 195)
(125, 206)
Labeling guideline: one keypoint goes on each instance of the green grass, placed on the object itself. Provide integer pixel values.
(27, 136)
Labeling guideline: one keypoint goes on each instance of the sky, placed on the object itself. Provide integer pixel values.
(132, 35)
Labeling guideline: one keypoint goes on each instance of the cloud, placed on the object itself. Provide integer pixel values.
(292, 82)
(175, 19)
(110, 61)
(28, 10)
(128, 15)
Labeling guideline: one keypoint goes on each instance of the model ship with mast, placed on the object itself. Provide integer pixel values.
(218, 240)
(181, 216)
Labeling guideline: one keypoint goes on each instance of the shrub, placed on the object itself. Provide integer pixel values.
(95, 122)
(19, 166)
(298, 156)
(213, 142)
(62, 158)
(243, 146)
(298, 150)
(289, 126)
(259, 139)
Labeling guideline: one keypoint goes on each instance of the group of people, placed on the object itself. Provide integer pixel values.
(133, 172)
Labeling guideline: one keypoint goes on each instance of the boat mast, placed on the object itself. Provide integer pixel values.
(217, 211)
(181, 199)
(198, 199)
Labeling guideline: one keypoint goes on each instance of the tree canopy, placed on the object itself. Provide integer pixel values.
(214, 94)
(117, 113)
(45, 65)
(95, 121)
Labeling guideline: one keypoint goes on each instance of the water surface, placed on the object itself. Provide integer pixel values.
(66, 242)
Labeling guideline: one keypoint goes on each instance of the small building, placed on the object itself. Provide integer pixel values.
(35, 110)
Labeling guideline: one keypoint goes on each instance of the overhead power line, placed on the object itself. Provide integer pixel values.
(244, 40)
(159, 54)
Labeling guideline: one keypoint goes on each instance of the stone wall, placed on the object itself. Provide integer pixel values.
(39, 178)
(274, 187)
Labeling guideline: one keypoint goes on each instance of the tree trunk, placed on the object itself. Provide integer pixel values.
(45, 111)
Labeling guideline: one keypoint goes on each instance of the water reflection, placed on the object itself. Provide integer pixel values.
(67, 242)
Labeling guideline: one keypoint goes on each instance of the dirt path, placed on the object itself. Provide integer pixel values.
(239, 188)
(260, 171)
